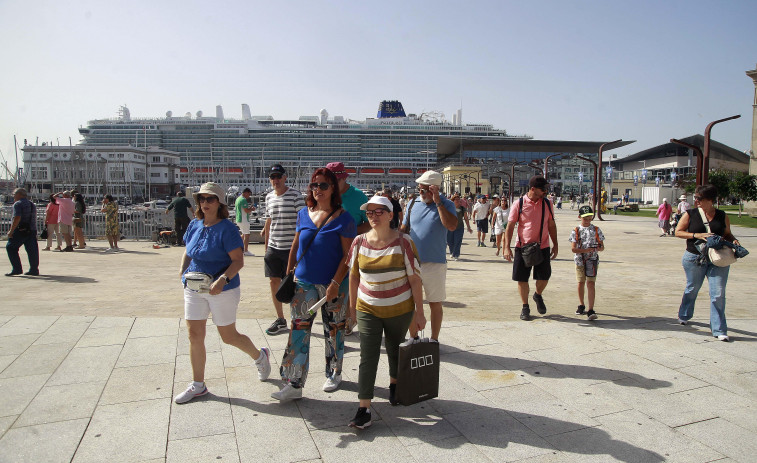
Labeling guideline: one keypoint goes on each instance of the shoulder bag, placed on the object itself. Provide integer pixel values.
(286, 290)
(405, 228)
(722, 257)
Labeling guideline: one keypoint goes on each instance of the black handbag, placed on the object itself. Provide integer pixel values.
(418, 371)
(43, 235)
(286, 290)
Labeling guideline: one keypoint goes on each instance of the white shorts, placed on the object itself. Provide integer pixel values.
(498, 230)
(222, 307)
(244, 227)
(434, 277)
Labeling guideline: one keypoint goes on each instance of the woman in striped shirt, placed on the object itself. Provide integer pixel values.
(386, 296)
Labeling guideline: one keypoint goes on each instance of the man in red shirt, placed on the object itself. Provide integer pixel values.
(536, 224)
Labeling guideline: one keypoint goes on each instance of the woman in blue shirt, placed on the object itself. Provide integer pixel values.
(320, 273)
(214, 247)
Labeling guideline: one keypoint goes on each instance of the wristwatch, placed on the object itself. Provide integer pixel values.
(225, 278)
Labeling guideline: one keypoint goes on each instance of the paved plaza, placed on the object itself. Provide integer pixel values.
(92, 352)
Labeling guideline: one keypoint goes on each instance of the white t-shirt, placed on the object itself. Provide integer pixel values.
(501, 216)
(480, 211)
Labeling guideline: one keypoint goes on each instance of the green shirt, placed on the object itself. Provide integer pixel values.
(180, 205)
(239, 206)
(352, 199)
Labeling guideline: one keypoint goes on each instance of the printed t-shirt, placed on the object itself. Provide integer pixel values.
(352, 199)
(326, 253)
(239, 205)
(282, 210)
(384, 289)
(528, 227)
(587, 238)
(209, 248)
(66, 211)
(427, 231)
(180, 205)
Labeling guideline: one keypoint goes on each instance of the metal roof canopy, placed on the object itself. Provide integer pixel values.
(698, 140)
(448, 146)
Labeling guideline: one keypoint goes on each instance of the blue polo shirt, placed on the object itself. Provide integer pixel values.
(209, 248)
(427, 231)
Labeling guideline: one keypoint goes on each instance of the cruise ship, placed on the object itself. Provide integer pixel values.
(391, 149)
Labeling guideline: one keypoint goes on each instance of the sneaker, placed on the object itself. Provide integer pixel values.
(456, 259)
(682, 322)
(277, 326)
(591, 315)
(288, 392)
(264, 364)
(34, 273)
(68, 249)
(362, 418)
(723, 338)
(393, 394)
(581, 310)
(540, 306)
(109, 251)
(525, 313)
(332, 383)
(248, 253)
(191, 392)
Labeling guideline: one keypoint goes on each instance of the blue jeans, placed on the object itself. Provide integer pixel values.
(717, 277)
(455, 241)
(29, 242)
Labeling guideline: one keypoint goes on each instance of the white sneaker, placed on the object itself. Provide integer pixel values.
(723, 337)
(332, 383)
(248, 253)
(190, 394)
(264, 364)
(682, 322)
(288, 393)
(109, 250)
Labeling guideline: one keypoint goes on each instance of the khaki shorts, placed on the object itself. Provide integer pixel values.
(434, 277)
(581, 275)
(65, 229)
(244, 227)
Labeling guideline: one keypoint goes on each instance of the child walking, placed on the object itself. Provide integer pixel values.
(586, 241)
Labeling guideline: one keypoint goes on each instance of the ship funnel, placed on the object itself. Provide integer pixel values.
(246, 114)
(219, 112)
(324, 117)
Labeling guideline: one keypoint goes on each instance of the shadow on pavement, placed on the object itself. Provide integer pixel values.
(61, 278)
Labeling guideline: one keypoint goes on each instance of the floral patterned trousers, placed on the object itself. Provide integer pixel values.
(296, 361)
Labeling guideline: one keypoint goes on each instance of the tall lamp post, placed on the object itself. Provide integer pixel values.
(598, 180)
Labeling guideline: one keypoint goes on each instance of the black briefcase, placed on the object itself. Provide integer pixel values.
(418, 371)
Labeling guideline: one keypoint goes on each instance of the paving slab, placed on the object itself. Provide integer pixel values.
(133, 384)
(148, 351)
(219, 447)
(18, 391)
(51, 442)
(16, 344)
(106, 336)
(37, 360)
(204, 416)
(724, 437)
(347, 445)
(86, 364)
(27, 325)
(61, 403)
(150, 327)
(65, 330)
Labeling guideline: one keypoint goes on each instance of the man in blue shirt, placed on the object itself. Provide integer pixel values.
(23, 232)
(430, 216)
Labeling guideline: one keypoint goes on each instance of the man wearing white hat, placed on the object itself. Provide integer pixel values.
(430, 216)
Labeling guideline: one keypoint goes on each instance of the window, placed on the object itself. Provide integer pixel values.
(155, 174)
(155, 159)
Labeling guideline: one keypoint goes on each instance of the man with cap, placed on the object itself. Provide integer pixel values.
(23, 232)
(66, 208)
(430, 216)
(242, 208)
(536, 224)
(282, 205)
(481, 216)
(352, 198)
(663, 214)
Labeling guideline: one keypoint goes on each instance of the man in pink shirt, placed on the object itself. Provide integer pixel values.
(534, 215)
(66, 218)
(663, 213)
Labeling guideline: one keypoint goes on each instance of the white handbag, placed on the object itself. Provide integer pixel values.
(722, 257)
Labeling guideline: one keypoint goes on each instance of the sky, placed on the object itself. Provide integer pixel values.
(595, 70)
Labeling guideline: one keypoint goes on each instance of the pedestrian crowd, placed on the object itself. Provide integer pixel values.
(369, 262)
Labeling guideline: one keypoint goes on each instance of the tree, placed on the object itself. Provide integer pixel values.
(744, 187)
(721, 180)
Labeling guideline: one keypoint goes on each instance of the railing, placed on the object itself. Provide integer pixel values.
(132, 224)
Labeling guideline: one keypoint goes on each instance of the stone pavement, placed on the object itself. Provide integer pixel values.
(92, 353)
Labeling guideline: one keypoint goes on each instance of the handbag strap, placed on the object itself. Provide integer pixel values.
(704, 219)
(305, 251)
(409, 211)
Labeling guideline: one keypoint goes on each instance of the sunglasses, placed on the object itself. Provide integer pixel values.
(323, 186)
(424, 190)
(697, 198)
(275, 176)
(206, 199)
(377, 212)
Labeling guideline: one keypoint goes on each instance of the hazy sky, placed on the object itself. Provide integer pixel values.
(570, 70)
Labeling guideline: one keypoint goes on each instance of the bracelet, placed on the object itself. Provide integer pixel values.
(693, 236)
(335, 282)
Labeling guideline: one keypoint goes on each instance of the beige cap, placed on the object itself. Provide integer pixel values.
(430, 177)
(211, 188)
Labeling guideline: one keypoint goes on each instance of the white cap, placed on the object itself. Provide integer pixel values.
(664, 200)
(682, 198)
(382, 200)
(430, 177)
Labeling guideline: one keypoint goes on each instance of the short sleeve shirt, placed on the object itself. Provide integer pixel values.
(528, 225)
(352, 199)
(480, 211)
(325, 254)
(587, 238)
(209, 248)
(427, 231)
(282, 210)
(239, 205)
(663, 212)
(66, 211)
(180, 206)
(26, 210)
